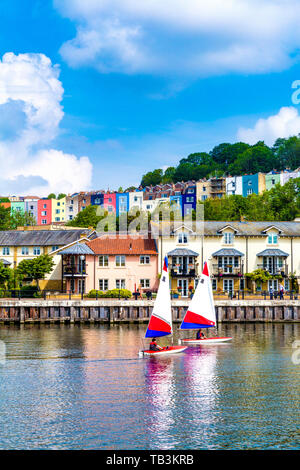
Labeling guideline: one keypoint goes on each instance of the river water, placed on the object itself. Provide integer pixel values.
(84, 387)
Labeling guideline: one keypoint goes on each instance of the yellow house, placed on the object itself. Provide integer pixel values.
(232, 250)
(59, 210)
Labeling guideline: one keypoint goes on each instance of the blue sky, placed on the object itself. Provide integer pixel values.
(138, 86)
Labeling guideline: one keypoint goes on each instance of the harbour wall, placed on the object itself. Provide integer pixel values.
(139, 311)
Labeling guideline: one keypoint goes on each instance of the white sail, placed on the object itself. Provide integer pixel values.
(160, 323)
(201, 312)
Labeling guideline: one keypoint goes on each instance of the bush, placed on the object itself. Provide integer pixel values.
(30, 292)
(110, 294)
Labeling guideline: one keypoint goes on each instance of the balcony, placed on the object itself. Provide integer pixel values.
(228, 270)
(275, 269)
(71, 270)
(183, 271)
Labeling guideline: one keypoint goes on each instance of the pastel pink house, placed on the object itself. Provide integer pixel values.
(107, 263)
(44, 211)
(109, 202)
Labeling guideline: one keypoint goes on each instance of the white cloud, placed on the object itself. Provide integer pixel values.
(183, 37)
(31, 92)
(284, 124)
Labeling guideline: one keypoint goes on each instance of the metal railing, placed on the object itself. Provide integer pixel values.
(233, 269)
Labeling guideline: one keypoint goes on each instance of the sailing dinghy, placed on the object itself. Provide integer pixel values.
(160, 323)
(201, 312)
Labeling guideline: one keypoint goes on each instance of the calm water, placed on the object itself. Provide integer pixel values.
(74, 387)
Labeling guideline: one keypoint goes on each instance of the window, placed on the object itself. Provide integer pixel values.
(120, 260)
(145, 283)
(25, 250)
(204, 189)
(54, 248)
(109, 199)
(71, 202)
(228, 238)
(110, 208)
(97, 200)
(203, 198)
(5, 250)
(177, 193)
(103, 260)
(190, 191)
(44, 213)
(286, 284)
(144, 259)
(273, 181)
(120, 283)
(190, 199)
(57, 219)
(148, 207)
(182, 238)
(70, 217)
(272, 239)
(188, 211)
(57, 211)
(45, 206)
(103, 284)
(36, 250)
(249, 191)
(44, 221)
(214, 284)
(70, 208)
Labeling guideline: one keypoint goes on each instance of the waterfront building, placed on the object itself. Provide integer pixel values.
(84, 200)
(285, 176)
(97, 198)
(58, 207)
(17, 245)
(71, 206)
(122, 203)
(44, 211)
(136, 200)
(232, 249)
(189, 198)
(31, 206)
(109, 202)
(110, 262)
(253, 184)
(17, 206)
(272, 179)
(234, 185)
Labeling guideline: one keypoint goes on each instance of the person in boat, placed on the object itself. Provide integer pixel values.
(154, 346)
(200, 335)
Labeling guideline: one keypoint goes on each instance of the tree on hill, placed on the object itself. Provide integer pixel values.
(36, 269)
(257, 158)
(88, 217)
(52, 196)
(152, 178)
(61, 196)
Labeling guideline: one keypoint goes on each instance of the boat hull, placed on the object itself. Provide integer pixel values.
(164, 352)
(215, 340)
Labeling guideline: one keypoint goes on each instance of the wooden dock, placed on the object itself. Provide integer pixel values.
(139, 311)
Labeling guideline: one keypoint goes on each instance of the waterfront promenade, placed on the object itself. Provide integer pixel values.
(139, 311)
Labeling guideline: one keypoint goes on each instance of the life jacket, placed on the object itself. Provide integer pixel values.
(153, 346)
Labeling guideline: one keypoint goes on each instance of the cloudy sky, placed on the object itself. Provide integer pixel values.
(95, 93)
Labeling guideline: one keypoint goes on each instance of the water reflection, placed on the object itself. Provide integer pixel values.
(84, 387)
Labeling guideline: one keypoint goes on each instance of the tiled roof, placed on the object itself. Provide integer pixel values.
(77, 249)
(228, 252)
(182, 252)
(116, 245)
(41, 237)
(272, 252)
(212, 228)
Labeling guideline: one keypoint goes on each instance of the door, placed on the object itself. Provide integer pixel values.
(182, 285)
(228, 285)
(273, 283)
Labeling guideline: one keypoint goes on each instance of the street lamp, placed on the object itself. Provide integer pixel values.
(82, 258)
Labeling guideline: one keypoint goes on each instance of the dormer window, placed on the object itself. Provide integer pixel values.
(182, 238)
(272, 239)
(228, 238)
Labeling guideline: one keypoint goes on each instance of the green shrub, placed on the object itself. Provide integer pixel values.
(30, 292)
(110, 294)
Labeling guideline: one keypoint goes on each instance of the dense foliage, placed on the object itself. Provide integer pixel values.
(10, 221)
(279, 203)
(36, 268)
(233, 159)
(112, 294)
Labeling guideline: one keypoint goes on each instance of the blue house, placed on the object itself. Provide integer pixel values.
(189, 199)
(97, 199)
(176, 200)
(122, 203)
(250, 184)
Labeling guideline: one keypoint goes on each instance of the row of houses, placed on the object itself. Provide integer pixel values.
(183, 195)
(86, 260)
